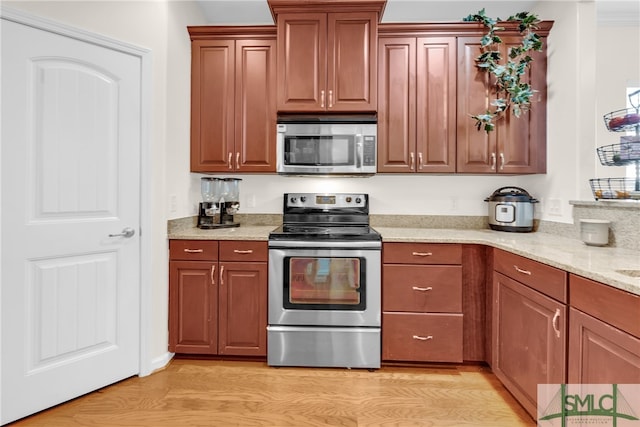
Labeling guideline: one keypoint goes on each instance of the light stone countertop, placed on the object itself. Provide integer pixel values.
(602, 264)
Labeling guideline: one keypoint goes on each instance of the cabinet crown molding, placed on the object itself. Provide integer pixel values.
(288, 6)
(235, 31)
(458, 28)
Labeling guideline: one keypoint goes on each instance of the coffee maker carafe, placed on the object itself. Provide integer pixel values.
(220, 201)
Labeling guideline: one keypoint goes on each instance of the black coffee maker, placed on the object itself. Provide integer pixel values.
(220, 201)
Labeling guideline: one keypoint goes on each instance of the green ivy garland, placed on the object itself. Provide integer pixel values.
(511, 92)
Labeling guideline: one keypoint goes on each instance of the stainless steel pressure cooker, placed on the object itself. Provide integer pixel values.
(511, 209)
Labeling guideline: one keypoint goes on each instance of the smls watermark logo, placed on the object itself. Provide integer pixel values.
(577, 405)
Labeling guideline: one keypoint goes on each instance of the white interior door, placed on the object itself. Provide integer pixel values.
(70, 170)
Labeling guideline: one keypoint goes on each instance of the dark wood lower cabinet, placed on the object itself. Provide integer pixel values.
(193, 307)
(529, 339)
(218, 306)
(243, 309)
(600, 353)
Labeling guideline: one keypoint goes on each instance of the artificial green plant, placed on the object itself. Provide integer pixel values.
(506, 73)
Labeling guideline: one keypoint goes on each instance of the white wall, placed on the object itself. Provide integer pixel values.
(575, 111)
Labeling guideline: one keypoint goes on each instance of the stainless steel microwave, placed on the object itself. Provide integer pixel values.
(326, 145)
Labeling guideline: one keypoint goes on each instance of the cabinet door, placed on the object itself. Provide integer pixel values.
(302, 49)
(243, 309)
(529, 339)
(436, 105)
(397, 104)
(193, 307)
(212, 105)
(351, 61)
(476, 151)
(600, 353)
(521, 142)
(255, 114)
(517, 145)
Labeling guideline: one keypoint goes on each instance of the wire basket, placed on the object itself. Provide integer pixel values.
(622, 154)
(624, 120)
(614, 188)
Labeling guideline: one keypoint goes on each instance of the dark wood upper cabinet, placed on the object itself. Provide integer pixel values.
(417, 109)
(327, 55)
(518, 145)
(233, 99)
(429, 87)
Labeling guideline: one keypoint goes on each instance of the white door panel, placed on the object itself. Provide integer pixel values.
(71, 129)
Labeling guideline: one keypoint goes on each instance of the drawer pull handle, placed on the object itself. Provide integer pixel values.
(213, 274)
(519, 270)
(221, 275)
(418, 288)
(248, 251)
(193, 251)
(556, 322)
(427, 338)
(422, 253)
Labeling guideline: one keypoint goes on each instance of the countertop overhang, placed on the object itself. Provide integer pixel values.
(603, 264)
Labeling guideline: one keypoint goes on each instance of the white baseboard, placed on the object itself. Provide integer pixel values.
(161, 361)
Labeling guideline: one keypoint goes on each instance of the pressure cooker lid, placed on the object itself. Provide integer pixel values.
(510, 194)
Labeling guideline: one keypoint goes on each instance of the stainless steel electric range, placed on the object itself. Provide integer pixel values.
(325, 283)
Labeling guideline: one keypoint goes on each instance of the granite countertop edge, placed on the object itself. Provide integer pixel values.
(601, 264)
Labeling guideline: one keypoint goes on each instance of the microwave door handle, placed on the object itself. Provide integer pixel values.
(359, 150)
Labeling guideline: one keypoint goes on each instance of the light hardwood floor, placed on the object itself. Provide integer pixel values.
(225, 393)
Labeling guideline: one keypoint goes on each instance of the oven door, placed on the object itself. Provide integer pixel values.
(324, 286)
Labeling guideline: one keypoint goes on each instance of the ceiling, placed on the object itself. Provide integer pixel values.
(256, 12)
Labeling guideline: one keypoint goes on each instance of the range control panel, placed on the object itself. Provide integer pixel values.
(326, 200)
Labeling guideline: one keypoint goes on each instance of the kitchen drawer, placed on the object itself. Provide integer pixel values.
(549, 280)
(422, 288)
(193, 250)
(418, 337)
(614, 306)
(243, 250)
(421, 253)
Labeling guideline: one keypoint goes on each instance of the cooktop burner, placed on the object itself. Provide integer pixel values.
(325, 216)
(315, 232)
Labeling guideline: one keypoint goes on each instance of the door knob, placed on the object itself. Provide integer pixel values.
(126, 232)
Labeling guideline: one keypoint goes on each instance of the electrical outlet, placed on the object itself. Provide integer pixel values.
(555, 207)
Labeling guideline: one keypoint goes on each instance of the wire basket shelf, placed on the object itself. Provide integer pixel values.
(614, 188)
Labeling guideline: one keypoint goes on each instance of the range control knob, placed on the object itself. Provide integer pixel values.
(348, 199)
(358, 200)
(303, 199)
(294, 200)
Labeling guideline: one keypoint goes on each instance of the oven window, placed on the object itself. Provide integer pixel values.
(333, 150)
(324, 283)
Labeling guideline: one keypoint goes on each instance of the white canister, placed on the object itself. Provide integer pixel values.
(595, 232)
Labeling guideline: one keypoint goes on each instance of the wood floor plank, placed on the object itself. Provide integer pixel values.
(208, 393)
